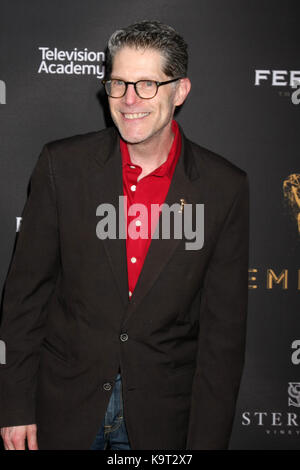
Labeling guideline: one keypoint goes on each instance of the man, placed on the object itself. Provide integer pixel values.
(128, 342)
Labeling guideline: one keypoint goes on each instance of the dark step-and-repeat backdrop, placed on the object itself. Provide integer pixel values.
(244, 105)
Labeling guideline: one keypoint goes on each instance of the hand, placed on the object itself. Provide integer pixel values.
(14, 437)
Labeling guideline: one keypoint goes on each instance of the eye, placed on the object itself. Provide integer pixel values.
(117, 83)
(146, 84)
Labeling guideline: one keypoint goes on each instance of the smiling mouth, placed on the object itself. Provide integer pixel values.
(135, 115)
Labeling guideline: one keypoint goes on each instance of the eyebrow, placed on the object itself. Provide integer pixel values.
(145, 78)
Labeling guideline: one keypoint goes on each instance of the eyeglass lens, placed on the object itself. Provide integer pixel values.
(144, 88)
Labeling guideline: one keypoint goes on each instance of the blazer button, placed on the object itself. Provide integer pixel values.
(124, 337)
(107, 386)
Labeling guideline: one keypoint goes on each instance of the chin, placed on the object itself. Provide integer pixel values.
(132, 138)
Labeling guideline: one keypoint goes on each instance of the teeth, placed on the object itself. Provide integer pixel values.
(136, 115)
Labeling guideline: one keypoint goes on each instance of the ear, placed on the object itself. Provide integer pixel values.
(182, 90)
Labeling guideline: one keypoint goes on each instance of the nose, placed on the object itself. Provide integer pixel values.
(130, 96)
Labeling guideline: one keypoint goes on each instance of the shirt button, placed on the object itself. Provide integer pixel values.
(107, 386)
(124, 337)
(133, 259)
(130, 293)
(132, 166)
(138, 223)
(133, 187)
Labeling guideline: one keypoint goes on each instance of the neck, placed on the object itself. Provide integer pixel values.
(152, 153)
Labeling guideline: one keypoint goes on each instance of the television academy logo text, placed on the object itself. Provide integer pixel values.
(75, 62)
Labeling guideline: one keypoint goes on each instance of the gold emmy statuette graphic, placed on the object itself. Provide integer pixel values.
(291, 192)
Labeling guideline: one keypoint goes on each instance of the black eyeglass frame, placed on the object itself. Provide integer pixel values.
(158, 84)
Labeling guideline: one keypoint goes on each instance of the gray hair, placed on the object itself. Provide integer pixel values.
(151, 35)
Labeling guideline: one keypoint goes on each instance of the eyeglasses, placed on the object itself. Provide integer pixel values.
(145, 89)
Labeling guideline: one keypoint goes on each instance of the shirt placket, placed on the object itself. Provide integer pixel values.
(134, 246)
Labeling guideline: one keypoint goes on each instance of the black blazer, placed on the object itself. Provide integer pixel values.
(66, 306)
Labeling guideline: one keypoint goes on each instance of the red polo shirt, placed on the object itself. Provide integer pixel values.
(151, 189)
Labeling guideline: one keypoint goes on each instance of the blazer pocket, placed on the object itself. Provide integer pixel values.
(50, 347)
(180, 380)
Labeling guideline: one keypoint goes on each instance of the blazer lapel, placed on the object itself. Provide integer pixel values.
(160, 250)
(107, 187)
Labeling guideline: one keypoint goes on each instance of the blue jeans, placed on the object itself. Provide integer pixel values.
(112, 433)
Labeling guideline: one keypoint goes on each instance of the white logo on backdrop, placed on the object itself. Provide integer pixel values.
(273, 422)
(2, 352)
(294, 394)
(73, 62)
(296, 95)
(18, 223)
(2, 92)
(278, 422)
(296, 354)
(279, 78)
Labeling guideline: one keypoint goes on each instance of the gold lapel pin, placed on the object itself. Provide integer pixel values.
(182, 202)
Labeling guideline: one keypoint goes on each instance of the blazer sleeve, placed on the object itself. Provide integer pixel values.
(222, 331)
(29, 284)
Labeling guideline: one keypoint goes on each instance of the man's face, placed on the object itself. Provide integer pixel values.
(131, 65)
